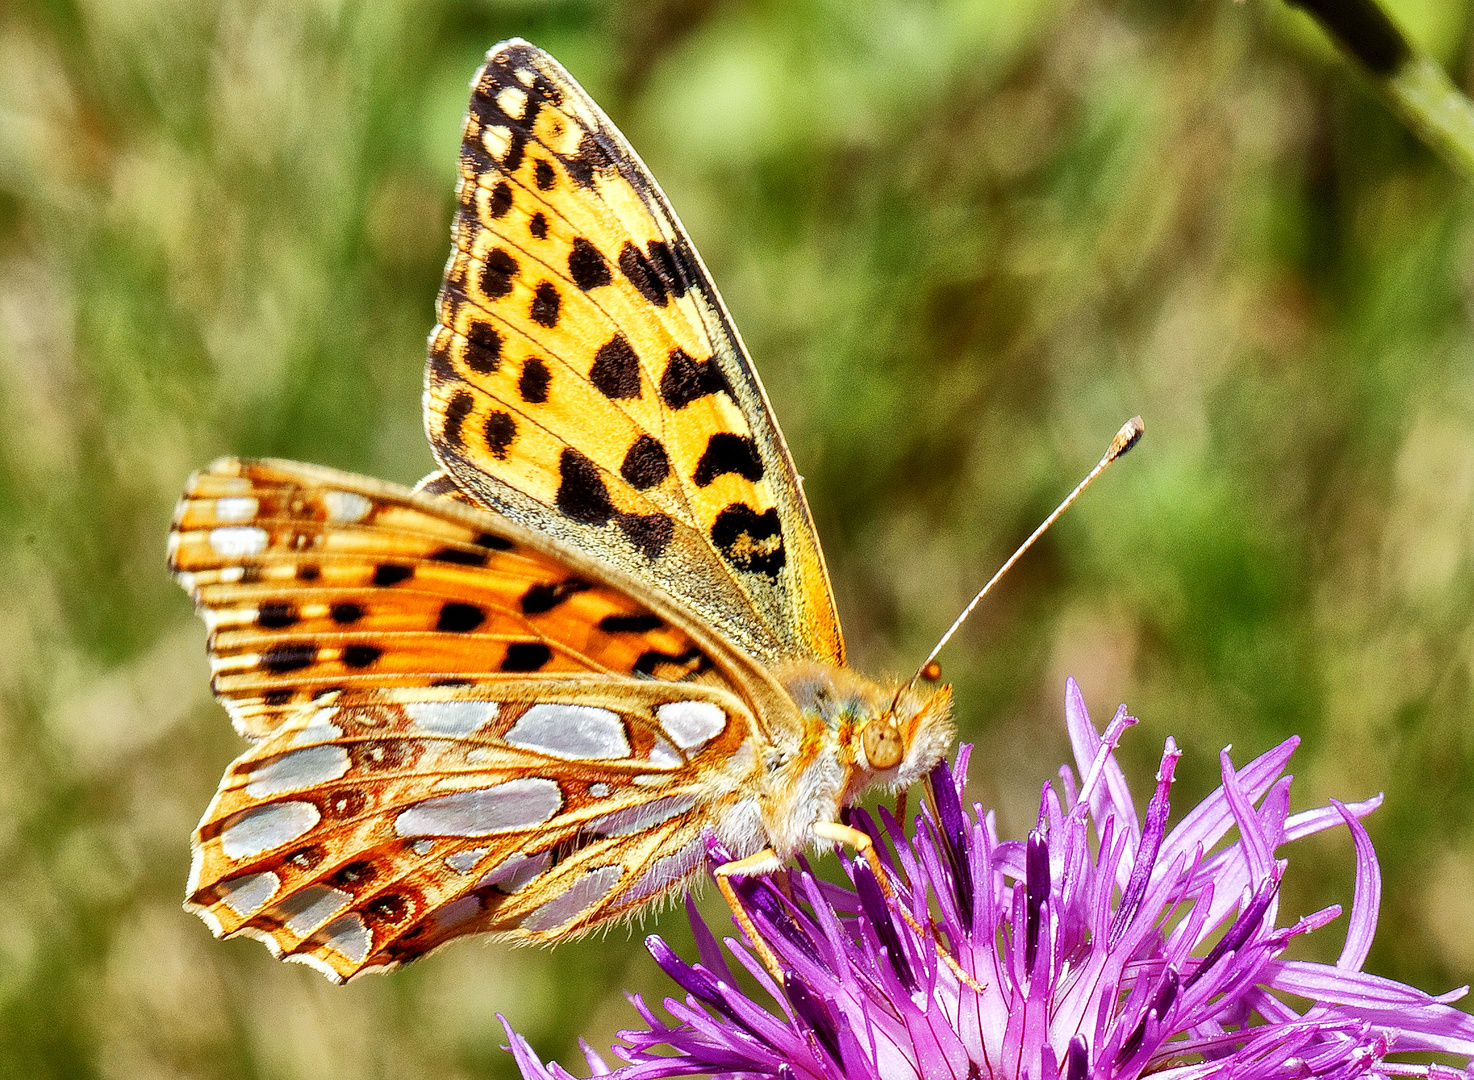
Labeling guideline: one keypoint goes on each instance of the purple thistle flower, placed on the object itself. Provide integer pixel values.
(1090, 941)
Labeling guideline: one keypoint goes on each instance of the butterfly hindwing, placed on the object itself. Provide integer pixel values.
(585, 379)
(377, 824)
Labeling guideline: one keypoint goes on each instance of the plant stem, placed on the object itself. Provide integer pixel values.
(1413, 83)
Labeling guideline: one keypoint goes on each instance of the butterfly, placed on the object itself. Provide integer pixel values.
(519, 698)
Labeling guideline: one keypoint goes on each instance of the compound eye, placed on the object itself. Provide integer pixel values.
(881, 741)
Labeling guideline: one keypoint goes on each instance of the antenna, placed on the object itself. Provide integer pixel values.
(1129, 435)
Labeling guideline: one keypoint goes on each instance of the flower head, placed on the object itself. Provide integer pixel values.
(1104, 946)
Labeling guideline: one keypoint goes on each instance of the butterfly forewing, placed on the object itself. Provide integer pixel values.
(586, 380)
(311, 580)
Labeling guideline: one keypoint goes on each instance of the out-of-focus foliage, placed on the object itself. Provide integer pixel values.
(964, 240)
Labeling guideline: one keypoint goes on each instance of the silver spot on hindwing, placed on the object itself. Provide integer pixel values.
(451, 717)
(515, 804)
(297, 770)
(249, 894)
(638, 818)
(581, 896)
(570, 731)
(691, 723)
(461, 861)
(320, 728)
(664, 754)
(458, 911)
(350, 937)
(667, 871)
(265, 827)
(516, 871)
(305, 911)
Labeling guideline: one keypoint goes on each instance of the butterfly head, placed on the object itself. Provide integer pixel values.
(884, 734)
(898, 746)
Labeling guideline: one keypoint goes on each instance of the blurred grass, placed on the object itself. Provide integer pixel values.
(964, 241)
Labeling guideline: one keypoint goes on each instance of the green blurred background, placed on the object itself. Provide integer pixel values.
(964, 240)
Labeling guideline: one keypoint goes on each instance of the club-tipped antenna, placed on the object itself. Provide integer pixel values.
(1129, 435)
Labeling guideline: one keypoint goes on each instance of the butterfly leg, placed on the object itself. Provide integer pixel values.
(764, 862)
(862, 843)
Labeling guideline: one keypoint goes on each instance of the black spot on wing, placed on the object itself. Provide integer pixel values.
(587, 265)
(616, 370)
(460, 557)
(582, 495)
(750, 541)
(497, 274)
(276, 616)
(546, 304)
(664, 665)
(456, 410)
(669, 267)
(545, 596)
(345, 614)
(544, 175)
(538, 225)
(645, 464)
(648, 532)
(590, 159)
(381, 755)
(629, 624)
(533, 385)
(483, 348)
(496, 543)
(526, 656)
(392, 573)
(308, 572)
(500, 200)
(728, 453)
(516, 150)
(276, 698)
(361, 656)
(636, 267)
(457, 618)
(501, 429)
(686, 380)
(388, 909)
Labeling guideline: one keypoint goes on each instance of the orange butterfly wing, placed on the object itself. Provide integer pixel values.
(449, 709)
(586, 381)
